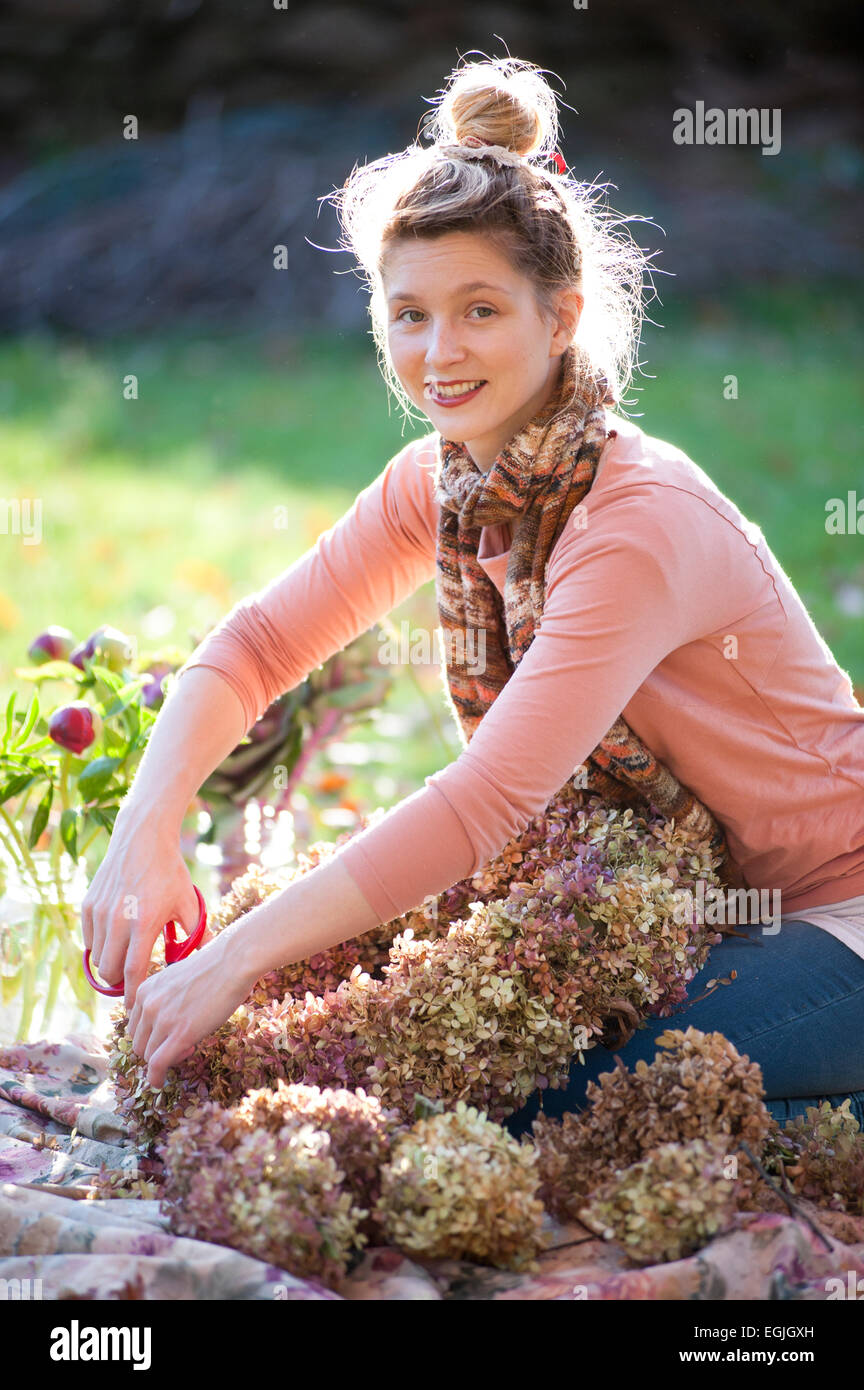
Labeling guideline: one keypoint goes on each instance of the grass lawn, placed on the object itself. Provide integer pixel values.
(158, 513)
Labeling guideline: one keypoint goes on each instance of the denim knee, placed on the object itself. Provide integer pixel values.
(788, 1109)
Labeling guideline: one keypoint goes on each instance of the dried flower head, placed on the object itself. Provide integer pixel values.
(484, 995)
(458, 1186)
(667, 1205)
(821, 1155)
(288, 1175)
(698, 1086)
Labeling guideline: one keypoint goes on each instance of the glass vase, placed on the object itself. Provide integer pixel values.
(42, 984)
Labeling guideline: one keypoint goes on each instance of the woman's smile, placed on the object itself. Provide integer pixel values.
(453, 393)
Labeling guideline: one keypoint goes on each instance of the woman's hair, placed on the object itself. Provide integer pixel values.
(553, 229)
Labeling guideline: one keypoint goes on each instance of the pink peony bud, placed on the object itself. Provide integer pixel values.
(54, 644)
(110, 646)
(153, 692)
(75, 726)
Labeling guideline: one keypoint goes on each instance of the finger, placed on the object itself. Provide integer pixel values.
(160, 1030)
(192, 911)
(142, 1026)
(87, 925)
(126, 928)
(133, 1021)
(164, 1035)
(112, 958)
(138, 1002)
(135, 972)
(188, 915)
(100, 931)
(139, 983)
(166, 1056)
(141, 1035)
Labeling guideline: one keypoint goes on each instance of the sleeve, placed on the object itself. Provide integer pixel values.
(365, 565)
(620, 596)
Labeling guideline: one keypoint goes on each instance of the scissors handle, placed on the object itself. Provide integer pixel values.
(178, 950)
(174, 950)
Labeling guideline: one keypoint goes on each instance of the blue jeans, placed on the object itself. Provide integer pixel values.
(796, 1007)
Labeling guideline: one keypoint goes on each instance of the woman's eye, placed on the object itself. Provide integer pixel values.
(478, 308)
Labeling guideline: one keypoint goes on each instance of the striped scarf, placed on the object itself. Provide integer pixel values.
(541, 474)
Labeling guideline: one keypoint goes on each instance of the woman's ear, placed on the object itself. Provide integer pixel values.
(568, 313)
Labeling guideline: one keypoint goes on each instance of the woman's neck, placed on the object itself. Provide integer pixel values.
(485, 450)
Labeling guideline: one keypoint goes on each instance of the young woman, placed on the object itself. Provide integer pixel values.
(633, 626)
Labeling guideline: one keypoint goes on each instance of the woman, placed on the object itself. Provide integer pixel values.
(632, 624)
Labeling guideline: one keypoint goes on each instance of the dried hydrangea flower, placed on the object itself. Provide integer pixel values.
(822, 1156)
(576, 924)
(288, 1176)
(698, 1086)
(666, 1206)
(472, 999)
(458, 1186)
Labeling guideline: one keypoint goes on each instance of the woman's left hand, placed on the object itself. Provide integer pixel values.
(184, 1003)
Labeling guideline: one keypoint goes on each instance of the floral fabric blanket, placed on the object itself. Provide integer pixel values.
(59, 1128)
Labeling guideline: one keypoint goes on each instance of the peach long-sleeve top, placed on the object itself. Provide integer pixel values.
(664, 603)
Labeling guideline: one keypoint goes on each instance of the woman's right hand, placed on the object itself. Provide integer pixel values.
(141, 884)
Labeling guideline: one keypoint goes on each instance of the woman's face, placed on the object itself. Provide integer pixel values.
(459, 314)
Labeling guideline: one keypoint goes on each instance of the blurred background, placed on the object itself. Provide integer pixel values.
(258, 388)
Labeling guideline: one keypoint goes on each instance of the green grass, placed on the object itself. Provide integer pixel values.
(173, 497)
(790, 441)
(168, 501)
(235, 456)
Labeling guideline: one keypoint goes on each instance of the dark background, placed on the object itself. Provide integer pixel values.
(249, 114)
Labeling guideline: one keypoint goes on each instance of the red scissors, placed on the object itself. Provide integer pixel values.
(174, 950)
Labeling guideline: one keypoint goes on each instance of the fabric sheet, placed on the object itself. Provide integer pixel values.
(58, 1126)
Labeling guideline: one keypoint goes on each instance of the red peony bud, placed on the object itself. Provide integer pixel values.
(54, 644)
(75, 726)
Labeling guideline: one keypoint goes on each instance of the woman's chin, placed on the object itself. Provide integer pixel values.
(460, 425)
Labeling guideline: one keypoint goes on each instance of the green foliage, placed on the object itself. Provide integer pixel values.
(56, 803)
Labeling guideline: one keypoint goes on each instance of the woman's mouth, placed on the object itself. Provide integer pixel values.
(454, 393)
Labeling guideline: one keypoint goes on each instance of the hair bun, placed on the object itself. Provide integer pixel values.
(503, 101)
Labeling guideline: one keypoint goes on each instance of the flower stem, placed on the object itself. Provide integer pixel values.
(88, 842)
(326, 727)
(28, 996)
(63, 781)
(25, 855)
(56, 975)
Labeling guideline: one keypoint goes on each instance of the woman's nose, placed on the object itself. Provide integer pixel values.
(443, 347)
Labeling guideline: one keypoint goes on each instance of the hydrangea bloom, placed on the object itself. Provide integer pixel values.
(458, 1186)
(698, 1087)
(484, 994)
(667, 1205)
(288, 1175)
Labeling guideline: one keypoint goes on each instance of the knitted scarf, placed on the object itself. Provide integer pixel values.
(540, 475)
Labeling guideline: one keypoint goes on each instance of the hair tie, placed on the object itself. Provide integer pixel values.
(472, 147)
